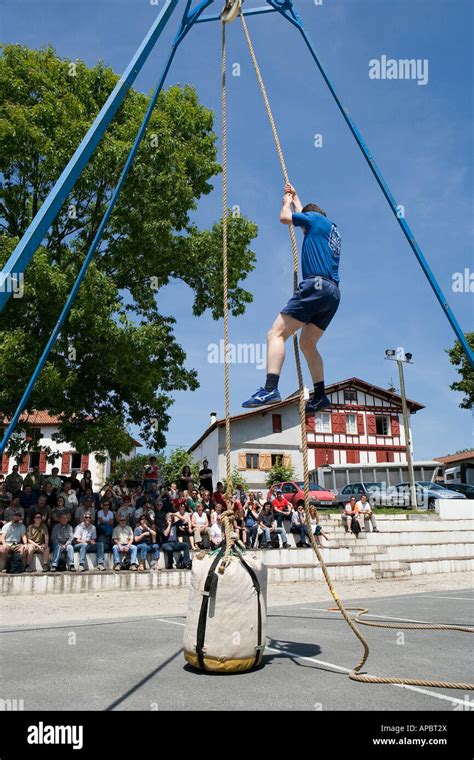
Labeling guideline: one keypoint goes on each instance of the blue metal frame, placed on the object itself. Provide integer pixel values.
(33, 237)
(187, 21)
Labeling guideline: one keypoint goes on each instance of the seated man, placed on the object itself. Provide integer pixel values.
(14, 541)
(87, 505)
(145, 539)
(122, 537)
(350, 510)
(15, 506)
(282, 508)
(38, 537)
(267, 522)
(366, 514)
(126, 510)
(55, 480)
(105, 522)
(85, 541)
(61, 539)
(43, 509)
(173, 545)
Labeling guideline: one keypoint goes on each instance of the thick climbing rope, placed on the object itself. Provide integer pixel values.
(354, 674)
(228, 517)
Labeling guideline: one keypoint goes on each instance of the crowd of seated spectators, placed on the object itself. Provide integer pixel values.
(59, 517)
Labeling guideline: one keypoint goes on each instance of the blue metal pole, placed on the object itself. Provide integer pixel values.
(184, 29)
(24, 251)
(296, 21)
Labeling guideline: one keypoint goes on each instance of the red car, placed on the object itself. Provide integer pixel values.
(318, 496)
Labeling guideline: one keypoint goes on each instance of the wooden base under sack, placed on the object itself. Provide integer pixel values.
(225, 628)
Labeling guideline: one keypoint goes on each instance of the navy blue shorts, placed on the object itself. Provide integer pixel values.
(315, 301)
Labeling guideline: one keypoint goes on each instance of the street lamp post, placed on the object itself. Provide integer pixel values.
(400, 357)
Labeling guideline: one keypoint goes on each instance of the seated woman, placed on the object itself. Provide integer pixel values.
(240, 529)
(183, 526)
(37, 537)
(200, 527)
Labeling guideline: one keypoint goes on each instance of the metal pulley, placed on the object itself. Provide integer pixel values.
(231, 10)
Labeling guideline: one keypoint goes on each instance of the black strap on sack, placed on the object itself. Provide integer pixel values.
(256, 585)
(210, 585)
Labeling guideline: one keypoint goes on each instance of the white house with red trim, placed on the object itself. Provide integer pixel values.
(364, 426)
(43, 427)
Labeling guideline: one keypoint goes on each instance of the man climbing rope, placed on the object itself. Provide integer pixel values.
(312, 306)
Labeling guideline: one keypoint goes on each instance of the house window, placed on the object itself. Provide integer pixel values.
(350, 397)
(75, 463)
(276, 423)
(34, 460)
(382, 425)
(351, 424)
(251, 461)
(323, 423)
(36, 434)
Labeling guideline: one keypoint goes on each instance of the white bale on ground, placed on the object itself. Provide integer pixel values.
(226, 620)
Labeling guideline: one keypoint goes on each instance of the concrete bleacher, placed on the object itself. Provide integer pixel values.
(406, 545)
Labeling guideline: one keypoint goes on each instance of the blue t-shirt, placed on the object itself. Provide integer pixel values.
(321, 245)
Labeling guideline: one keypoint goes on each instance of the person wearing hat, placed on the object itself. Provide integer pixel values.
(14, 541)
(282, 508)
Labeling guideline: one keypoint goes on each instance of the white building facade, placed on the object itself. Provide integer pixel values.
(363, 426)
(43, 427)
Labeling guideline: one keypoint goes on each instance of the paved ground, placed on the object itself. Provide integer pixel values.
(139, 665)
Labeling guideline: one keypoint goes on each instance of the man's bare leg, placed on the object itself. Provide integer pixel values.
(309, 338)
(310, 335)
(283, 328)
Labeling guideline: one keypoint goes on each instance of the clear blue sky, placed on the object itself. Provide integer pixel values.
(420, 136)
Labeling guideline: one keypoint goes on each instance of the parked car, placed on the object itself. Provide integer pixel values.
(370, 489)
(464, 488)
(318, 496)
(426, 494)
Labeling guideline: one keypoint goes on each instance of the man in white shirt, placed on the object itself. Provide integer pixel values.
(365, 511)
(85, 540)
(123, 544)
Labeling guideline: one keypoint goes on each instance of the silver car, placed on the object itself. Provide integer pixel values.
(426, 494)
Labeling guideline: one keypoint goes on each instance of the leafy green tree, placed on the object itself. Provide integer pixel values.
(279, 473)
(465, 384)
(238, 480)
(117, 361)
(170, 466)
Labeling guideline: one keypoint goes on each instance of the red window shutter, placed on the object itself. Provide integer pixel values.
(371, 425)
(352, 456)
(84, 462)
(66, 463)
(390, 456)
(360, 424)
(395, 425)
(310, 424)
(320, 457)
(338, 422)
(330, 456)
(381, 456)
(24, 463)
(5, 463)
(42, 461)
